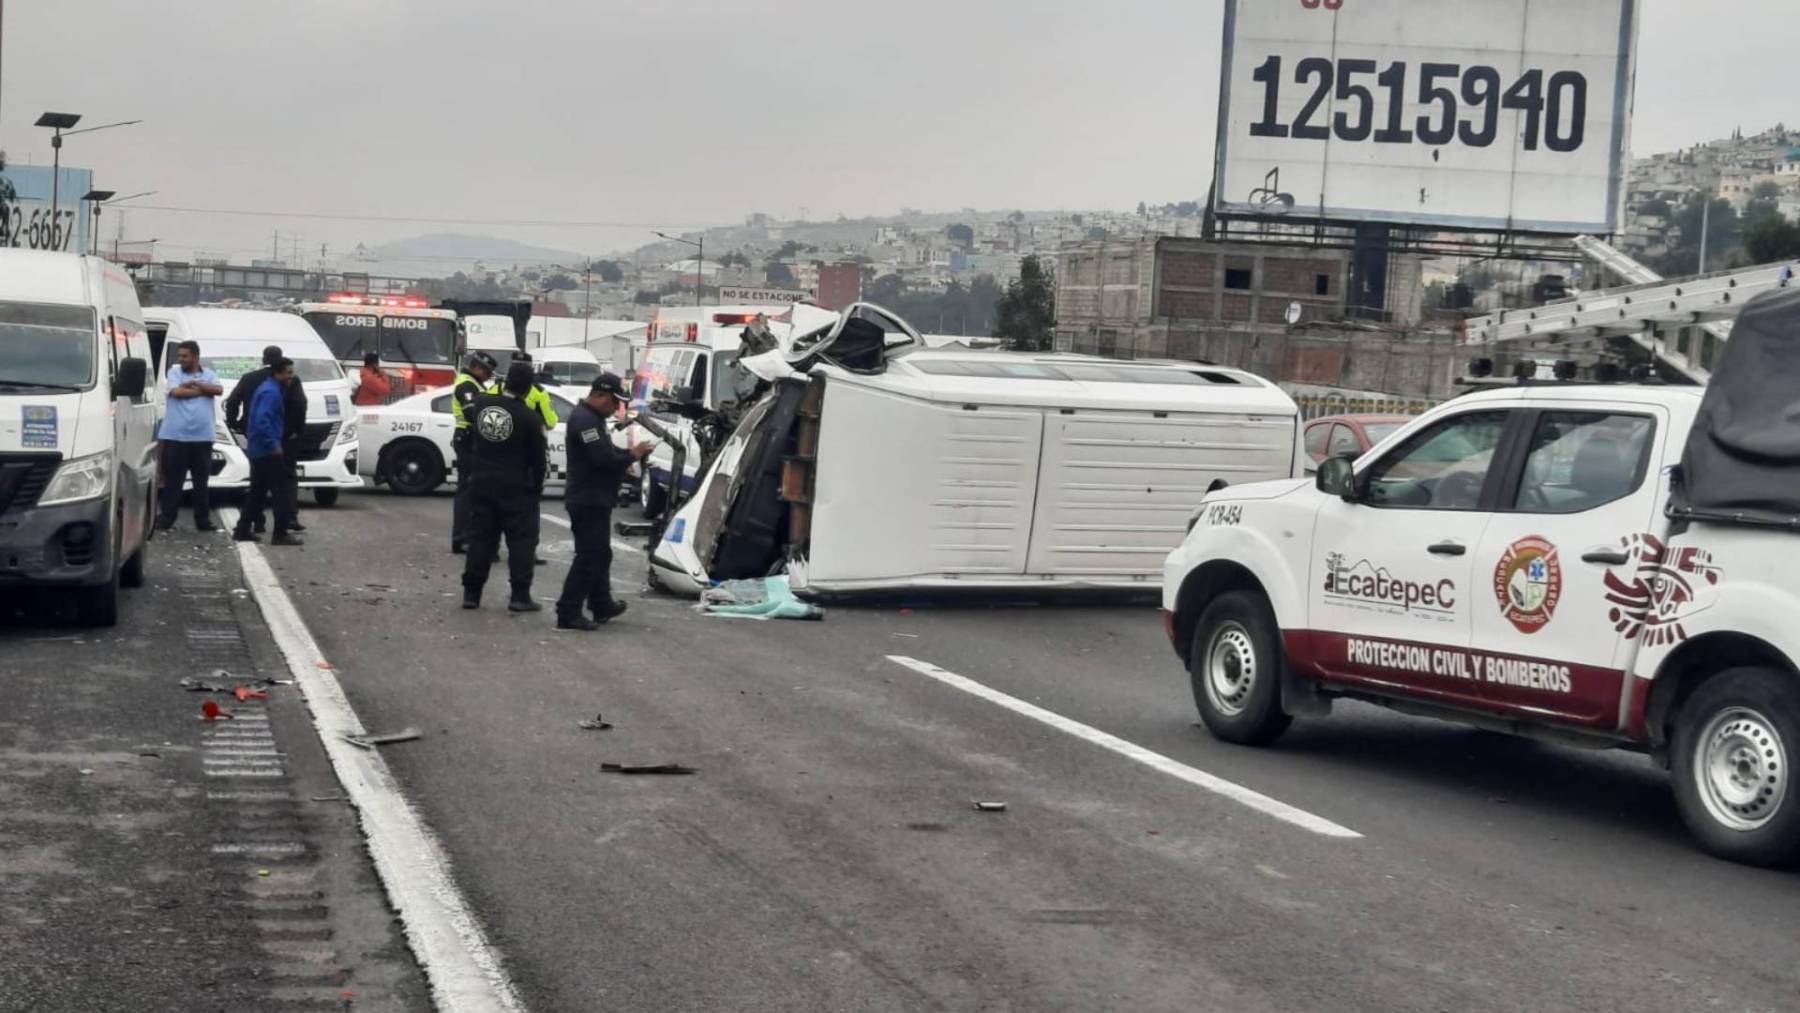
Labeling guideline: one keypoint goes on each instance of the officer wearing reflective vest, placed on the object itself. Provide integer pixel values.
(536, 399)
(506, 475)
(477, 378)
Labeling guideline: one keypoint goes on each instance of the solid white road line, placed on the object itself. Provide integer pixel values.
(463, 968)
(1156, 761)
(618, 546)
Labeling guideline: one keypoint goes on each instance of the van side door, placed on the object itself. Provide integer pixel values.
(1556, 572)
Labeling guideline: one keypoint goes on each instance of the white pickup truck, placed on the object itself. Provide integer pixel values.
(1600, 565)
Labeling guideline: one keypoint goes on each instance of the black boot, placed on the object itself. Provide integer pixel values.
(522, 602)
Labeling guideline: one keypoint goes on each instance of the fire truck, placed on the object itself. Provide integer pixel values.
(418, 344)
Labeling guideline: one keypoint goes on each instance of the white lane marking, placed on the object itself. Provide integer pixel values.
(464, 970)
(1156, 761)
(619, 546)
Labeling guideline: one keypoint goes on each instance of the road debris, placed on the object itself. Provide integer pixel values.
(597, 724)
(990, 807)
(647, 768)
(767, 598)
(367, 741)
(211, 711)
(244, 693)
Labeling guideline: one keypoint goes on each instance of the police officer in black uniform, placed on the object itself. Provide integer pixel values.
(596, 468)
(506, 451)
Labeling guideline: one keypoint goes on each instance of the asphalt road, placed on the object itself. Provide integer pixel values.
(150, 861)
(827, 856)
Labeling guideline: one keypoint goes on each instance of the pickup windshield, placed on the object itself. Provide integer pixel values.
(49, 346)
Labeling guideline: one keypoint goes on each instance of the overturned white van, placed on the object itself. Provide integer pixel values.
(875, 466)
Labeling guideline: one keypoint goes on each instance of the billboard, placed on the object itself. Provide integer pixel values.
(1458, 114)
(25, 218)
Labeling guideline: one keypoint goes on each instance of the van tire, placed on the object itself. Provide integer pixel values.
(326, 497)
(653, 496)
(132, 573)
(1235, 668)
(99, 605)
(1734, 742)
(413, 468)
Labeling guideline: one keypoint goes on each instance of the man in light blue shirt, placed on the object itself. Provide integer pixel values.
(187, 436)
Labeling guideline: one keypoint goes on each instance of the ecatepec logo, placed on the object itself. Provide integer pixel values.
(1363, 584)
(1528, 583)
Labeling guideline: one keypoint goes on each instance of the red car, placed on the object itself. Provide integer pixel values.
(1336, 435)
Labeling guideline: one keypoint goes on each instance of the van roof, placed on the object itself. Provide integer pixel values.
(1074, 381)
(43, 277)
(223, 326)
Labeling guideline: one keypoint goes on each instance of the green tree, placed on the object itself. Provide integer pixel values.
(1768, 189)
(1027, 311)
(1772, 239)
(778, 273)
(1723, 235)
(734, 258)
(560, 283)
(960, 233)
(609, 271)
(887, 290)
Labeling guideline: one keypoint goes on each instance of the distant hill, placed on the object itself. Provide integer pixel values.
(445, 253)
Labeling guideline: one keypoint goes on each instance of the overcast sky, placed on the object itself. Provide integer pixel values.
(695, 112)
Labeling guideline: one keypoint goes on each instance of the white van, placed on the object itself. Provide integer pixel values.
(883, 469)
(568, 365)
(231, 344)
(77, 429)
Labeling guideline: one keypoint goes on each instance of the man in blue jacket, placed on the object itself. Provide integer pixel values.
(265, 427)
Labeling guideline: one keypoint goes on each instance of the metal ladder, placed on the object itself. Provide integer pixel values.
(1649, 310)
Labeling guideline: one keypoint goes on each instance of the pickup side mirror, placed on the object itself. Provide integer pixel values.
(1337, 477)
(131, 378)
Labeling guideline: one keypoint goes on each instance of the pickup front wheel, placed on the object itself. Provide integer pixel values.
(1735, 741)
(1236, 669)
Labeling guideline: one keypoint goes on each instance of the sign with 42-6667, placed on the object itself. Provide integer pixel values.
(1480, 114)
(27, 220)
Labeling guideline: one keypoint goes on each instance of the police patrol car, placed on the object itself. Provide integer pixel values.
(1598, 565)
(406, 445)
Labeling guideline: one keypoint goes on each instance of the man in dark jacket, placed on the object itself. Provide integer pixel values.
(596, 467)
(285, 495)
(264, 427)
(506, 471)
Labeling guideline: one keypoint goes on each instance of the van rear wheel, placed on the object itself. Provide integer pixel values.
(653, 496)
(1731, 755)
(1235, 667)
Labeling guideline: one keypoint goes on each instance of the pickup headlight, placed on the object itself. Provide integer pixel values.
(84, 478)
(348, 433)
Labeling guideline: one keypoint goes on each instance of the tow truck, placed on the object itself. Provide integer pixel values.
(1600, 565)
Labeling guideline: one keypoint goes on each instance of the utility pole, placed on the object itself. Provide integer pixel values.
(1705, 227)
(587, 301)
(700, 269)
(275, 247)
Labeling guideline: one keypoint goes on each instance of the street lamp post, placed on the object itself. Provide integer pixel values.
(101, 197)
(59, 124)
(699, 262)
(96, 198)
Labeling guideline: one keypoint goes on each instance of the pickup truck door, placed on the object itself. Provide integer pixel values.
(1392, 586)
(1582, 485)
